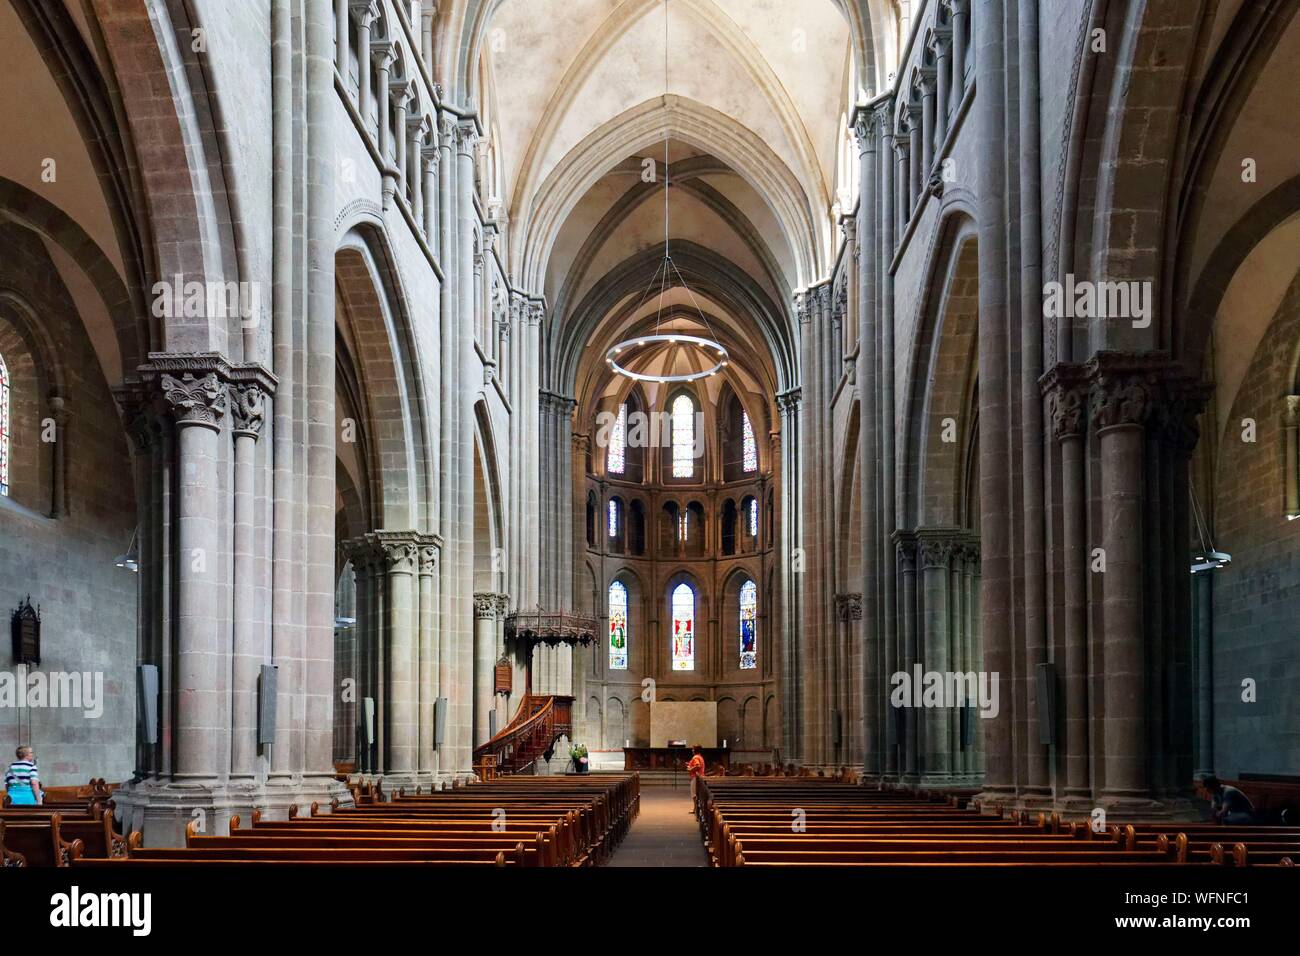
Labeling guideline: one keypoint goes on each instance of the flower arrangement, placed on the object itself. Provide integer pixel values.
(579, 754)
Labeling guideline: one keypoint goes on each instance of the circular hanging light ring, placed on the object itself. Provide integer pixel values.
(720, 354)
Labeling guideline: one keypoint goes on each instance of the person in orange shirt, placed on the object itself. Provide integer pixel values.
(695, 767)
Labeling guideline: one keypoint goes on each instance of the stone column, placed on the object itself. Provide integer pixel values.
(1120, 397)
(908, 738)
(902, 177)
(792, 571)
(427, 14)
(401, 557)
(869, 254)
(1067, 403)
(383, 53)
(449, 446)
(366, 12)
(395, 181)
(971, 763)
(941, 45)
(417, 128)
(427, 758)
(467, 219)
(428, 201)
(916, 153)
(926, 85)
(997, 597)
(883, 546)
(935, 550)
(1204, 589)
(341, 37)
(322, 462)
(485, 646)
(197, 400)
(247, 413)
(959, 14)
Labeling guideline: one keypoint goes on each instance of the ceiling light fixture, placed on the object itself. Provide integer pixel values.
(1210, 558)
(667, 269)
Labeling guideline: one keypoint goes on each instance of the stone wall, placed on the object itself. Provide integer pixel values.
(66, 563)
(1257, 597)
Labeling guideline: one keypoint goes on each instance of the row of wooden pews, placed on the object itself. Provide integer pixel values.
(760, 821)
(72, 822)
(512, 821)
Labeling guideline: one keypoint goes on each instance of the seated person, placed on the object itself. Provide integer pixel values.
(1228, 805)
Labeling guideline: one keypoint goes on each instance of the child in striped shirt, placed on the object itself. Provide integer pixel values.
(21, 782)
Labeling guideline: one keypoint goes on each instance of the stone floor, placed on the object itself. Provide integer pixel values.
(664, 833)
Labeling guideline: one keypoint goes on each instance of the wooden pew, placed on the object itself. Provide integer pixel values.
(37, 843)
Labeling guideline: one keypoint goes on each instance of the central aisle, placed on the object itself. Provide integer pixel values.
(664, 833)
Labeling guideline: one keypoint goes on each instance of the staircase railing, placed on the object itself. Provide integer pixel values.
(537, 724)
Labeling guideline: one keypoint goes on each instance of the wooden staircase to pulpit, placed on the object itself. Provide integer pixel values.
(540, 721)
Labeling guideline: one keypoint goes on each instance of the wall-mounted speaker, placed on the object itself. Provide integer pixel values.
(439, 722)
(895, 725)
(492, 724)
(1045, 676)
(267, 681)
(368, 718)
(835, 728)
(147, 698)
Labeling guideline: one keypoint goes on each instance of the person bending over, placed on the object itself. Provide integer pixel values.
(1228, 805)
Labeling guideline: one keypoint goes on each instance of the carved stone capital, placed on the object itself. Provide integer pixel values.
(400, 556)
(1120, 388)
(428, 559)
(247, 408)
(366, 12)
(383, 53)
(194, 399)
(486, 604)
(848, 607)
(1067, 400)
(1290, 411)
(905, 546)
(466, 137)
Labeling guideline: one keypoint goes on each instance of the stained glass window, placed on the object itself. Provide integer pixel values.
(683, 437)
(751, 447)
(613, 518)
(683, 628)
(748, 626)
(617, 626)
(617, 449)
(4, 427)
(753, 517)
